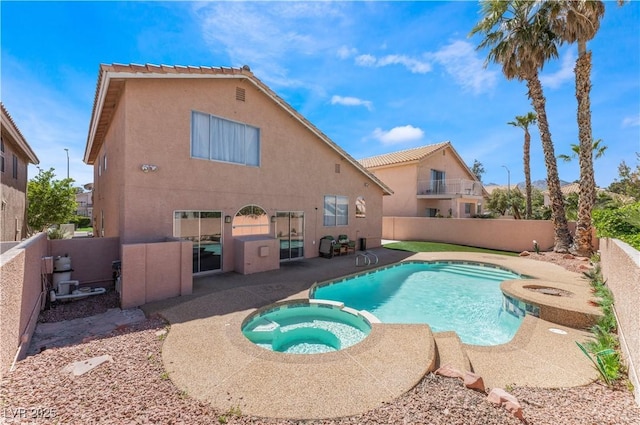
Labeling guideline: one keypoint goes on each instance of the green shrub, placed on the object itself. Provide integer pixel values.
(81, 221)
(621, 223)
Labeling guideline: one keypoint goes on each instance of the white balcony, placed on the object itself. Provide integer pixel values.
(450, 188)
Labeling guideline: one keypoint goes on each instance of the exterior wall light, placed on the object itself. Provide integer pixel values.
(227, 219)
(273, 218)
(148, 167)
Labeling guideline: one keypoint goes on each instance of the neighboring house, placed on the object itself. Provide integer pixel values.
(84, 201)
(15, 156)
(574, 187)
(214, 156)
(429, 181)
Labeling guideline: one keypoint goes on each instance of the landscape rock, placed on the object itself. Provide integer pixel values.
(449, 371)
(474, 381)
(506, 400)
(524, 254)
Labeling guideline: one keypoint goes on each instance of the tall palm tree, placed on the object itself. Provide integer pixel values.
(519, 38)
(578, 22)
(523, 121)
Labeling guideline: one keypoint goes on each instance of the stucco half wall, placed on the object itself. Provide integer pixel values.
(155, 271)
(621, 270)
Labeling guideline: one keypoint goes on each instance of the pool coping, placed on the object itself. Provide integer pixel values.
(206, 354)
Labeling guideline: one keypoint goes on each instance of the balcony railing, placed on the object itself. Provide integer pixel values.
(450, 187)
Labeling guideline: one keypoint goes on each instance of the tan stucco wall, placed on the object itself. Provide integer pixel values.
(297, 168)
(506, 235)
(108, 184)
(20, 297)
(91, 258)
(13, 194)
(13, 216)
(621, 271)
(402, 179)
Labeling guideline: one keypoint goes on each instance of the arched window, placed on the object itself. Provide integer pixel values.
(250, 220)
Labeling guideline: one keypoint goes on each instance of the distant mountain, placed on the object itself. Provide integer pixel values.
(540, 184)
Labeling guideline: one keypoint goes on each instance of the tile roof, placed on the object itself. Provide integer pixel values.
(399, 157)
(19, 139)
(108, 91)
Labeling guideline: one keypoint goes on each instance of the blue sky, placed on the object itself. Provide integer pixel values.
(376, 77)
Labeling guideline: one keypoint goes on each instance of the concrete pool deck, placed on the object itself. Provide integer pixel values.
(207, 356)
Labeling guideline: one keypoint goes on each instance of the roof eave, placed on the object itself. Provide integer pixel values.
(16, 135)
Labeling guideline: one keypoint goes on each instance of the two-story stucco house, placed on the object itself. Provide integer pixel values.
(215, 157)
(15, 156)
(428, 181)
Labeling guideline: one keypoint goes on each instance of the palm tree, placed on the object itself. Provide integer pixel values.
(578, 22)
(519, 38)
(523, 121)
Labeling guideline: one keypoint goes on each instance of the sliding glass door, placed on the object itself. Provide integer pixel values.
(290, 232)
(204, 229)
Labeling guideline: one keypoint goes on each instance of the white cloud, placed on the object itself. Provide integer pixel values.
(397, 135)
(461, 61)
(562, 75)
(631, 121)
(351, 101)
(414, 65)
(345, 52)
(265, 35)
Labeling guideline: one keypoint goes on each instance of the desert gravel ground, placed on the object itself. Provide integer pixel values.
(134, 388)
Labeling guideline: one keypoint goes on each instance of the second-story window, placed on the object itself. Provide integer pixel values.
(218, 139)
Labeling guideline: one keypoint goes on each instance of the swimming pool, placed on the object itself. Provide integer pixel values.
(446, 295)
(307, 327)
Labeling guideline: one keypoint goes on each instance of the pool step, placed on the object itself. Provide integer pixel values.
(450, 351)
(463, 270)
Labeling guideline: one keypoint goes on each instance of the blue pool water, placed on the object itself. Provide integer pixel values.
(447, 296)
(306, 327)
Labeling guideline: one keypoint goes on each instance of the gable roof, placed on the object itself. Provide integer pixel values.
(12, 130)
(408, 155)
(111, 83)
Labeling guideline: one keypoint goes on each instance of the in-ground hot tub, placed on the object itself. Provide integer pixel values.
(307, 326)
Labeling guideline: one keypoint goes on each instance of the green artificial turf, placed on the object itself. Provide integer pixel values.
(417, 246)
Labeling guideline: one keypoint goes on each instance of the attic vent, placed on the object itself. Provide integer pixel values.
(338, 168)
(240, 94)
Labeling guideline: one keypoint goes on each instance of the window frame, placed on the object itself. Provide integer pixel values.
(333, 218)
(211, 148)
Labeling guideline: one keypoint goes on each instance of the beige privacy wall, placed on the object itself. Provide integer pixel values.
(621, 271)
(21, 297)
(501, 234)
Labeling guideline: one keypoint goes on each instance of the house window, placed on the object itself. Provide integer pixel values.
(104, 162)
(1, 155)
(336, 210)
(218, 139)
(15, 167)
(250, 220)
(467, 208)
(361, 208)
